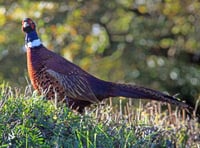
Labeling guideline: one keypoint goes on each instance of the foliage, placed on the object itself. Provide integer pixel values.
(30, 121)
(153, 43)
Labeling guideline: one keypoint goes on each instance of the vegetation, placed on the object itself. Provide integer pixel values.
(30, 121)
(154, 43)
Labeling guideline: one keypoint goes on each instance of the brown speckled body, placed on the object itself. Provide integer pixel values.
(40, 79)
(42, 63)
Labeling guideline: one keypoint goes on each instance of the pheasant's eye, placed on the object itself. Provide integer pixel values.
(31, 24)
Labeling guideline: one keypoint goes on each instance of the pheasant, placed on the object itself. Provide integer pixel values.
(56, 77)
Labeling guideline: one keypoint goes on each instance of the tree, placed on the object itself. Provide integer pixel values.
(152, 43)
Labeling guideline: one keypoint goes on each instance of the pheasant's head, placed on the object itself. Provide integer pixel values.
(28, 25)
(31, 38)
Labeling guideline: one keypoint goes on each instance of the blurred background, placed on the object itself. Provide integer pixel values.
(154, 43)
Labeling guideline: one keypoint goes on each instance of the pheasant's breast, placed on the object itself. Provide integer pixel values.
(48, 86)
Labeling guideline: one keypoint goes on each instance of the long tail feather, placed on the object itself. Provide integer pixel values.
(138, 92)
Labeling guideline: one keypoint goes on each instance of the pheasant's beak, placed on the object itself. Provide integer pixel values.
(25, 24)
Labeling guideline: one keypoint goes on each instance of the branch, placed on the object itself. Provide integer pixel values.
(184, 55)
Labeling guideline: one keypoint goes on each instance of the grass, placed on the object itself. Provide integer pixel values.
(28, 120)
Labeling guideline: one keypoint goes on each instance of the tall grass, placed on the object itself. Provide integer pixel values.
(28, 120)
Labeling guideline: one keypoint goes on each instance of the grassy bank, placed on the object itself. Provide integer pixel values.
(28, 120)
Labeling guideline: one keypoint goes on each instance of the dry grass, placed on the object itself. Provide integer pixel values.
(161, 120)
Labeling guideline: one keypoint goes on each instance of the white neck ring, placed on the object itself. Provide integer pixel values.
(34, 43)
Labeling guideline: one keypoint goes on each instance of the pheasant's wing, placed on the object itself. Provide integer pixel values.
(76, 86)
(70, 76)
